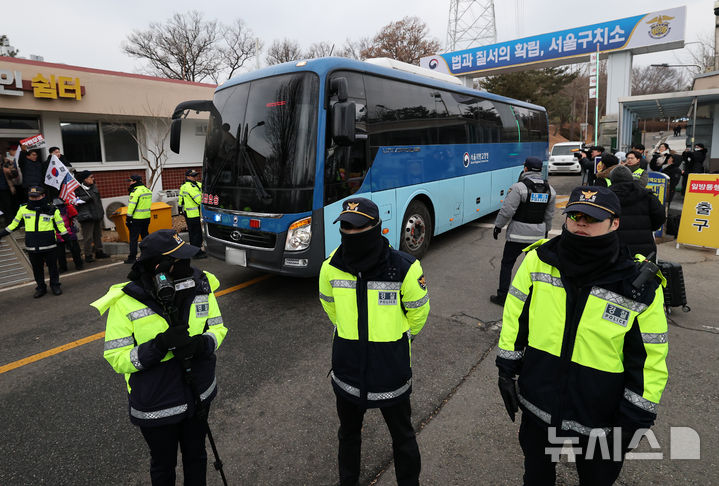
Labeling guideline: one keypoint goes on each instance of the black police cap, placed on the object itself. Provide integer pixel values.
(359, 212)
(166, 242)
(595, 201)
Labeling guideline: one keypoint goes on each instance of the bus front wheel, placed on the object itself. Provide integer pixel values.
(416, 230)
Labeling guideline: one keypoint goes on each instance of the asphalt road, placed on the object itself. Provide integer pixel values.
(64, 418)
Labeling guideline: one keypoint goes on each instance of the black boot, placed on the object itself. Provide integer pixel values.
(101, 254)
(497, 299)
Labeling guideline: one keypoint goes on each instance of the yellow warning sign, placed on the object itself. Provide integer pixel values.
(700, 213)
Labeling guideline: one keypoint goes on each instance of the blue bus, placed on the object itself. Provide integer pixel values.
(287, 144)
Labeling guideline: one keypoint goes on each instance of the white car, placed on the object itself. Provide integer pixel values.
(562, 158)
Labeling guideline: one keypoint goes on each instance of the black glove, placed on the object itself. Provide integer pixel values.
(174, 337)
(128, 221)
(191, 349)
(496, 232)
(180, 211)
(508, 390)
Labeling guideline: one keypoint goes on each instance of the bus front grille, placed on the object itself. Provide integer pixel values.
(259, 239)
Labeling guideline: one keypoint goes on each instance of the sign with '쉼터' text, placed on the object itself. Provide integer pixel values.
(41, 85)
(700, 213)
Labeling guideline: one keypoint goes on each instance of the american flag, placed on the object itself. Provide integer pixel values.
(67, 191)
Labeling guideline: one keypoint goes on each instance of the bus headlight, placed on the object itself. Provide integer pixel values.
(299, 235)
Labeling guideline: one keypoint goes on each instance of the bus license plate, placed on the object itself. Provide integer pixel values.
(235, 256)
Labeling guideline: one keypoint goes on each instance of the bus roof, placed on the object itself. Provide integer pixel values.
(323, 66)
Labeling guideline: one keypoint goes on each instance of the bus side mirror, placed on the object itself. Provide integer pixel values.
(340, 87)
(343, 122)
(175, 131)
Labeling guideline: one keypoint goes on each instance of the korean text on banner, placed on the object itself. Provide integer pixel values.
(33, 142)
(56, 172)
(700, 213)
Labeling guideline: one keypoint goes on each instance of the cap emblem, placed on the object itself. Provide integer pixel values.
(352, 206)
(589, 195)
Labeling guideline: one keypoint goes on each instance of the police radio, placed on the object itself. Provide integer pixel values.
(647, 269)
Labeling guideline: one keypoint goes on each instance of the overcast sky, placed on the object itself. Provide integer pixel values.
(90, 32)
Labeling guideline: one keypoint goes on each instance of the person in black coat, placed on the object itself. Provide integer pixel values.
(89, 215)
(32, 168)
(642, 213)
(671, 167)
(692, 162)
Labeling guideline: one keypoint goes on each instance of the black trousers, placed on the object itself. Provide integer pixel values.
(195, 229)
(539, 470)
(74, 248)
(512, 250)
(407, 463)
(137, 228)
(38, 260)
(163, 441)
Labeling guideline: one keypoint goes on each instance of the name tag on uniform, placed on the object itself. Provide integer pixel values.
(387, 298)
(45, 218)
(202, 310)
(184, 284)
(539, 197)
(617, 315)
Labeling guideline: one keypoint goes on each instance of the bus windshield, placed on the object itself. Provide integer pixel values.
(260, 149)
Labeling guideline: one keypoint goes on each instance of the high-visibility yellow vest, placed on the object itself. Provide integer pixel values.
(611, 352)
(190, 198)
(140, 203)
(39, 227)
(375, 315)
(156, 388)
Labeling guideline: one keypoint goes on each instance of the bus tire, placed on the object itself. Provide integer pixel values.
(416, 230)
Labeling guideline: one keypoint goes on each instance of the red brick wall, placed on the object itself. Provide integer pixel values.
(114, 183)
(172, 178)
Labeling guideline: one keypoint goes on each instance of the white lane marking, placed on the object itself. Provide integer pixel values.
(64, 276)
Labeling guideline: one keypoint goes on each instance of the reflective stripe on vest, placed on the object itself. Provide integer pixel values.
(566, 424)
(169, 412)
(374, 396)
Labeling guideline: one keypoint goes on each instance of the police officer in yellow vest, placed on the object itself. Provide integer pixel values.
(163, 329)
(633, 163)
(138, 214)
(189, 204)
(376, 297)
(41, 220)
(588, 341)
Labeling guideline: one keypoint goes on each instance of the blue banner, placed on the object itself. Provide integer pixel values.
(637, 32)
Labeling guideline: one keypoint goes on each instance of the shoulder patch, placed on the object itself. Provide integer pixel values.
(422, 282)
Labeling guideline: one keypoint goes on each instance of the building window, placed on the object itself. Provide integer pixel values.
(81, 141)
(99, 142)
(120, 141)
(12, 122)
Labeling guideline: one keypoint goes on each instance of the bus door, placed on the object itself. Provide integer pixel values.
(346, 167)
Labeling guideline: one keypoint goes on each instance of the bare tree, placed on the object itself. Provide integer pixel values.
(285, 50)
(657, 79)
(404, 40)
(353, 49)
(702, 53)
(320, 49)
(238, 47)
(191, 48)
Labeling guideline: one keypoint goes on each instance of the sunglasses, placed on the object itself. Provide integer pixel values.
(577, 217)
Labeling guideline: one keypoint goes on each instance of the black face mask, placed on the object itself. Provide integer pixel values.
(584, 258)
(363, 251)
(36, 204)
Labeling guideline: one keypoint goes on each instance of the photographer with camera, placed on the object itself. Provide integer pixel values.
(163, 328)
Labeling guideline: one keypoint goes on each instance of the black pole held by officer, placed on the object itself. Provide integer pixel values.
(163, 330)
(41, 220)
(584, 329)
(528, 208)
(376, 297)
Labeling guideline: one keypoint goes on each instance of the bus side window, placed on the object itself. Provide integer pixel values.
(347, 166)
